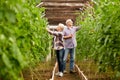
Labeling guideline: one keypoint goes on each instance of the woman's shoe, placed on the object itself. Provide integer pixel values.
(61, 74)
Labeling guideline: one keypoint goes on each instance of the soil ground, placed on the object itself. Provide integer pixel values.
(68, 76)
(90, 69)
(43, 71)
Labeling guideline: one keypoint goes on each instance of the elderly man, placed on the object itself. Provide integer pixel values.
(70, 43)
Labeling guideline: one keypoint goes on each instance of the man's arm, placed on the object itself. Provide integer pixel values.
(78, 28)
(66, 36)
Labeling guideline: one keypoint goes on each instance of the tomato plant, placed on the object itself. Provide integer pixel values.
(103, 45)
(23, 39)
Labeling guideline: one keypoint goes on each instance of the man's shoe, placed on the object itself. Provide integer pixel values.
(64, 71)
(72, 71)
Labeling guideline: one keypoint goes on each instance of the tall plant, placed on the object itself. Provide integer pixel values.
(106, 45)
(86, 36)
(22, 37)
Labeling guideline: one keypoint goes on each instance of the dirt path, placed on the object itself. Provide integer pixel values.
(43, 71)
(68, 76)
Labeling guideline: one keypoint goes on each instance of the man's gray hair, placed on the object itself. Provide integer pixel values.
(68, 20)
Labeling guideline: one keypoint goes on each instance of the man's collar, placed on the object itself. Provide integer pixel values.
(69, 27)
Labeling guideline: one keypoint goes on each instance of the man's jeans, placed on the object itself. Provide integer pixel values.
(72, 57)
(59, 55)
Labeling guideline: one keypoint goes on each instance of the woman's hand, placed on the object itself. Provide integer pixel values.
(47, 28)
(69, 36)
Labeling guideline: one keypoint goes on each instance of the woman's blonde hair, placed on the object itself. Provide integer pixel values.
(61, 26)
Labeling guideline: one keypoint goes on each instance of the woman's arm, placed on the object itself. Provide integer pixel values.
(67, 37)
(55, 33)
(50, 31)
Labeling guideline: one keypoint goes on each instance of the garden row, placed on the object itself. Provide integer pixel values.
(99, 38)
(23, 40)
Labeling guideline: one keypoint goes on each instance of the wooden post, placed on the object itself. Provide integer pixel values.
(81, 75)
(53, 72)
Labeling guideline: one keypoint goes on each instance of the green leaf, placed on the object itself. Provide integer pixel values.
(1, 15)
(11, 16)
(6, 60)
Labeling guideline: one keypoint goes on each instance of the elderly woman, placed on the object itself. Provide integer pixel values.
(58, 46)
